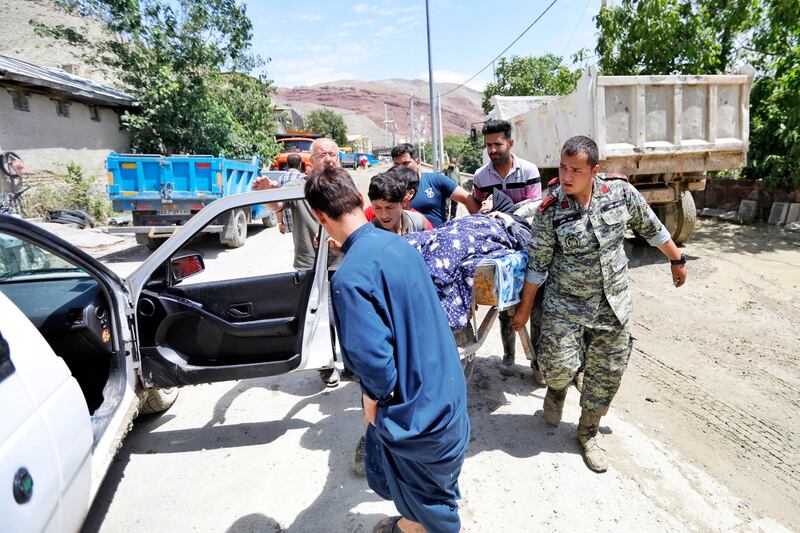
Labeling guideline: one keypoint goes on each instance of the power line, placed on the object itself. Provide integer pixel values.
(583, 14)
(489, 64)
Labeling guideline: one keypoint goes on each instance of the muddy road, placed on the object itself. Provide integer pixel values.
(702, 436)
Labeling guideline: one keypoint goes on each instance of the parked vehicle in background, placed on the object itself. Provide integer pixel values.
(664, 133)
(348, 160)
(163, 192)
(294, 143)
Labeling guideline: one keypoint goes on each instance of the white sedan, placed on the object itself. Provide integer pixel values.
(82, 352)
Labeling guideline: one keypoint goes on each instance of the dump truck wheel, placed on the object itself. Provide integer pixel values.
(236, 228)
(270, 221)
(149, 242)
(142, 238)
(687, 217)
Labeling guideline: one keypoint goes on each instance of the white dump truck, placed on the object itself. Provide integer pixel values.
(665, 133)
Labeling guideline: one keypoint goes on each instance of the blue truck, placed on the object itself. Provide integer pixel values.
(163, 192)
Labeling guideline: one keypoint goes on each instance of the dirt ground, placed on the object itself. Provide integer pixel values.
(715, 372)
(702, 435)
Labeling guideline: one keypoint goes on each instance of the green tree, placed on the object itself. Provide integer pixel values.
(775, 98)
(171, 55)
(530, 76)
(665, 36)
(327, 123)
(710, 37)
(469, 154)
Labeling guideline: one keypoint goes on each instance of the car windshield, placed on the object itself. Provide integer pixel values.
(297, 146)
(22, 260)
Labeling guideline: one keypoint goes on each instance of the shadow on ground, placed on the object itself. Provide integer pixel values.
(519, 435)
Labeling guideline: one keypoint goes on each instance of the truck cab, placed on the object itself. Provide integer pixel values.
(299, 144)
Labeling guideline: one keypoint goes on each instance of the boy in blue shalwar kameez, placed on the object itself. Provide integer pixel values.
(396, 339)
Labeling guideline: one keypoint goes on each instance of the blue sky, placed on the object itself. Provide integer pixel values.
(315, 41)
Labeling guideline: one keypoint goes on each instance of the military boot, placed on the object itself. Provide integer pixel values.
(509, 338)
(593, 454)
(554, 405)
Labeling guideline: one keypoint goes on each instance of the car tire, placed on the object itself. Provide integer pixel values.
(158, 400)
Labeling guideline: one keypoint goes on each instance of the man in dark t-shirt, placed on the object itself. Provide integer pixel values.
(434, 187)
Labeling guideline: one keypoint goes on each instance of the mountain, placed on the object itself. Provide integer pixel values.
(18, 40)
(361, 104)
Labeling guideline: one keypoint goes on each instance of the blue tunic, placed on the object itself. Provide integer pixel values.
(396, 339)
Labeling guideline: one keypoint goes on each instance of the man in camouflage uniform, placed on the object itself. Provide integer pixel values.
(579, 230)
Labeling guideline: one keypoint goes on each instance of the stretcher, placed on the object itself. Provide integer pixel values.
(470, 338)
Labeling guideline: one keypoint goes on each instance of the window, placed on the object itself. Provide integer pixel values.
(62, 108)
(21, 260)
(94, 113)
(20, 100)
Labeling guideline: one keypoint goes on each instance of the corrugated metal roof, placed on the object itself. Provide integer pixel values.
(56, 79)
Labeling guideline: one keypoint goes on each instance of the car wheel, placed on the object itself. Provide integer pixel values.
(158, 400)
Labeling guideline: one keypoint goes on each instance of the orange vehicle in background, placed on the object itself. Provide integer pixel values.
(294, 142)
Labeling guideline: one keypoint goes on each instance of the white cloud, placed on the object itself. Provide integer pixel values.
(386, 9)
(320, 63)
(306, 17)
(451, 76)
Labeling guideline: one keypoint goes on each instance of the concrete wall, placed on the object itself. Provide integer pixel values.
(47, 141)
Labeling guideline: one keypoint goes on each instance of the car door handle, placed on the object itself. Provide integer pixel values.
(240, 311)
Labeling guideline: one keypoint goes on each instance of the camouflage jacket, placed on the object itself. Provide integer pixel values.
(579, 251)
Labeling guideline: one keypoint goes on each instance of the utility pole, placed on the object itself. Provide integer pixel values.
(441, 131)
(385, 124)
(413, 123)
(434, 128)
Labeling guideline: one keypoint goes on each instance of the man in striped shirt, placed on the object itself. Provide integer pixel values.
(519, 180)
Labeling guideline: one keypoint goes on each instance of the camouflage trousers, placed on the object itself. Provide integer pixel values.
(602, 348)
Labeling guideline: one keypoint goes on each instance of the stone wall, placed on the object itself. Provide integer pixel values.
(727, 193)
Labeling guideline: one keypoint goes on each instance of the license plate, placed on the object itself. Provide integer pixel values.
(174, 212)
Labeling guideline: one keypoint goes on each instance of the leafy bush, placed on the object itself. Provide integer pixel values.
(77, 191)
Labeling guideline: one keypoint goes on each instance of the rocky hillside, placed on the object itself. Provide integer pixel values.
(366, 99)
(18, 40)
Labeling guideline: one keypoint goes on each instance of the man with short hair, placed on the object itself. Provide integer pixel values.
(580, 230)
(452, 172)
(519, 180)
(293, 163)
(434, 188)
(387, 191)
(413, 389)
(305, 228)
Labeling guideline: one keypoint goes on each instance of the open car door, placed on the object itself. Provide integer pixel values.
(229, 328)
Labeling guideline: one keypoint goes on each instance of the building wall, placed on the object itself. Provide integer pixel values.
(47, 141)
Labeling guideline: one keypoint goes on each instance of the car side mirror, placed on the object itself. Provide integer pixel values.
(184, 265)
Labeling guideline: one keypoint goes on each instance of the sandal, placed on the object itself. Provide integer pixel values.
(388, 525)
